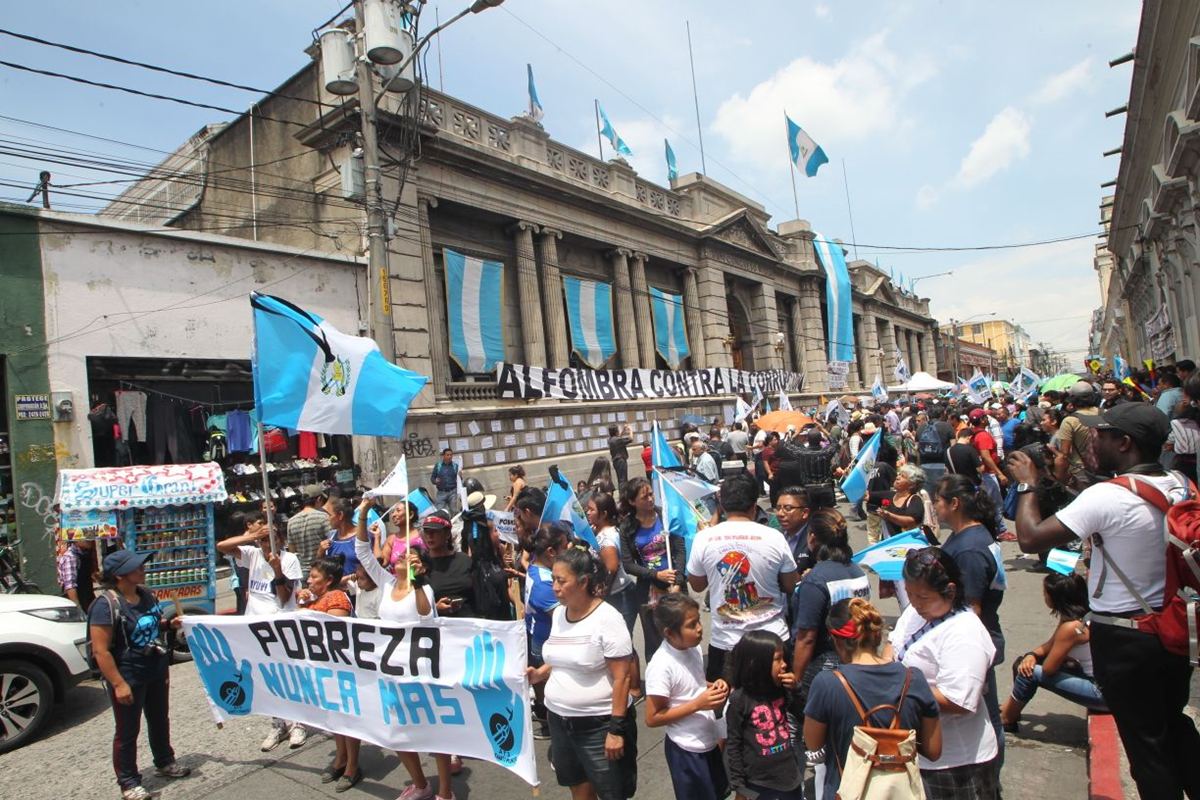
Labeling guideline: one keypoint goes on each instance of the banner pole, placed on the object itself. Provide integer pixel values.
(262, 461)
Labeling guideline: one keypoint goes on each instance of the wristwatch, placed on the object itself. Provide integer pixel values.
(1025, 488)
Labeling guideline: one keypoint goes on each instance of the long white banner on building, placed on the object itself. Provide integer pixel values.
(441, 686)
(517, 382)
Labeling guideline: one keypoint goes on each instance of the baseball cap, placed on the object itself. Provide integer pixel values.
(1081, 389)
(438, 519)
(976, 413)
(123, 562)
(1144, 423)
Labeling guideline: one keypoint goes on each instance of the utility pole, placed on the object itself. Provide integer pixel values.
(954, 331)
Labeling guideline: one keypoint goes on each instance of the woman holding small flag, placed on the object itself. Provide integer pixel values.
(650, 553)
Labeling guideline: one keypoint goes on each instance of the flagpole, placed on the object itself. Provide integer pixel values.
(849, 210)
(696, 99)
(262, 461)
(438, 22)
(791, 166)
(599, 141)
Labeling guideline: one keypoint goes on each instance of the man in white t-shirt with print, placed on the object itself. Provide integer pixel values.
(750, 569)
(1145, 686)
(273, 581)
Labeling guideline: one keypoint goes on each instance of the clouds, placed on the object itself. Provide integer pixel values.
(1005, 140)
(1063, 84)
(855, 98)
(823, 11)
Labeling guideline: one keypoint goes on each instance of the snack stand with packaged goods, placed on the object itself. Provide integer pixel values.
(166, 510)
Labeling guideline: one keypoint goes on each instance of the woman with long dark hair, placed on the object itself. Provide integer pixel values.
(392, 550)
(601, 477)
(652, 555)
(601, 511)
(488, 575)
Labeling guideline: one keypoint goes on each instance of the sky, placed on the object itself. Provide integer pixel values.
(950, 127)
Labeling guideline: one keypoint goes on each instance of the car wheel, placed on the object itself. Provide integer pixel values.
(26, 697)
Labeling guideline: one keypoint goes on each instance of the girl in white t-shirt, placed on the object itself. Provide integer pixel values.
(940, 636)
(678, 696)
(593, 732)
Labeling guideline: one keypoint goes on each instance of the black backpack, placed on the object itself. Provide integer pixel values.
(929, 445)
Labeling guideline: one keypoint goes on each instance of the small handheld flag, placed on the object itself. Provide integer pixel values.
(854, 485)
(807, 155)
(878, 392)
(562, 505)
(901, 371)
(610, 133)
(1062, 561)
(395, 484)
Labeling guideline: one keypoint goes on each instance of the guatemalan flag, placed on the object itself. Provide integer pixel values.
(672, 171)
(886, 558)
(901, 371)
(678, 517)
(1120, 368)
(610, 133)
(670, 335)
(807, 155)
(563, 506)
(854, 485)
(309, 376)
(475, 311)
(837, 298)
(535, 106)
(590, 312)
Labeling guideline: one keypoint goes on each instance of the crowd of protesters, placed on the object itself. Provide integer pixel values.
(797, 646)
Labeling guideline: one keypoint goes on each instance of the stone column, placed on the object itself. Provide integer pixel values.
(868, 354)
(623, 308)
(914, 356)
(813, 355)
(641, 309)
(691, 318)
(558, 349)
(764, 317)
(435, 305)
(712, 294)
(533, 339)
(886, 343)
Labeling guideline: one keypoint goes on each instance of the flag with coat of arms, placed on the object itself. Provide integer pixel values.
(854, 485)
(563, 506)
(679, 519)
(806, 154)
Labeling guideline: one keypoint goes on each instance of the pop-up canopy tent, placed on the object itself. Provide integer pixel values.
(922, 382)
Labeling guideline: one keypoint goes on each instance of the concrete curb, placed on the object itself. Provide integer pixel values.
(1104, 759)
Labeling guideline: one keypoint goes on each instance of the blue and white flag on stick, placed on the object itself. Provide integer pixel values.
(679, 517)
(979, 389)
(1120, 368)
(590, 313)
(395, 484)
(901, 371)
(1025, 383)
(886, 559)
(610, 133)
(535, 106)
(700, 495)
(474, 311)
(670, 334)
(785, 402)
(1063, 561)
(672, 172)
(807, 155)
(420, 500)
(837, 298)
(309, 376)
(854, 485)
(563, 506)
(877, 391)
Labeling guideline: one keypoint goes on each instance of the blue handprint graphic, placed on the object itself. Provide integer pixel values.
(229, 687)
(495, 702)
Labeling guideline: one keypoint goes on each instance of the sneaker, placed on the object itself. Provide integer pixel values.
(1007, 536)
(274, 737)
(297, 736)
(137, 793)
(541, 731)
(173, 770)
(413, 793)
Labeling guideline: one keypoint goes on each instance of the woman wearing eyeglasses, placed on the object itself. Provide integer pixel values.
(940, 636)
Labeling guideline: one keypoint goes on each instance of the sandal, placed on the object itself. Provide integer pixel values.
(332, 773)
(456, 765)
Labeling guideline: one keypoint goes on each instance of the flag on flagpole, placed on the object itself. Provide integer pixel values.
(742, 409)
(610, 133)
(901, 371)
(699, 493)
(978, 388)
(886, 558)
(590, 313)
(839, 411)
(1120, 368)
(785, 402)
(310, 376)
(807, 155)
(672, 172)
(395, 484)
(854, 485)
(877, 391)
(758, 397)
(535, 106)
(475, 311)
(670, 333)
(1025, 383)
(678, 517)
(767, 405)
(563, 506)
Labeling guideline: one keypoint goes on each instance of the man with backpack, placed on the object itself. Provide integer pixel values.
(933, 441)
(1074, 434)
(1142, 671)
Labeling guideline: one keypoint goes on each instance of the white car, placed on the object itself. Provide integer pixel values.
(44, 651)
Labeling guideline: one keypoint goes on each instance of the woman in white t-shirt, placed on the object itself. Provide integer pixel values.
(272, 580)
(404, 597)
(601, 510)
(593, 732)
(938, 635)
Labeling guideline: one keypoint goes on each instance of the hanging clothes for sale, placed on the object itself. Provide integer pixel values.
(131, 414)
(104, 433)
(239, 433)
(308, 445)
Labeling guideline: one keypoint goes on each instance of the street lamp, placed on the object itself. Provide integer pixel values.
(915, 281)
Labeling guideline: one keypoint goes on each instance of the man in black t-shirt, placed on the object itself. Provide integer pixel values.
(962, 458)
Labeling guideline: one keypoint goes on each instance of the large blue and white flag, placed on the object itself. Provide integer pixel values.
(854, 485)
(678, 517)
(474, 311)
(837, 298)
(878, 391)
(309, 376)
(535, 106)
(901, 371)
(563, 506)
(886, 558)
(807, 155)
(670, 333)
(700, 495)
(1120, 368)
(672, 171)
(610, 133)
(590, 314)
(1025, 383)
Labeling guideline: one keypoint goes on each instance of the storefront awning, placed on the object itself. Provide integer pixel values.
(140, 487)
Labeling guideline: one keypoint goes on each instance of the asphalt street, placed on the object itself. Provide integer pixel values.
(71, 760)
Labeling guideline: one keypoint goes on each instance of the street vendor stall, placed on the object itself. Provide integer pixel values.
(165, 510)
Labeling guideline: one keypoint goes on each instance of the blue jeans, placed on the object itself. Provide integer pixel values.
(990, 485)
(933, 474)
(1068, 684)
(447, 499)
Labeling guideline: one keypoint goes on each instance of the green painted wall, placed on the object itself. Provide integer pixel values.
(23, 345)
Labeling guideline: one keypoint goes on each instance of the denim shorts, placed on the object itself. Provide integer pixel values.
(577, 751)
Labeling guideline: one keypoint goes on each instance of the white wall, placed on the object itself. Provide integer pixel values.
(117, 290)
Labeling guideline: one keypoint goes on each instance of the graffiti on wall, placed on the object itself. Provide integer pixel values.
(418, 447)
(37, 501)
